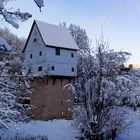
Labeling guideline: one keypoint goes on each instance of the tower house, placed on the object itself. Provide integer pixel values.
(51, 53)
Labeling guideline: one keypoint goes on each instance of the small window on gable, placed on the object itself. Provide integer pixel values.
(34, 39)
(39, 68)
(40, 53)
(57, 51)
(31, 56)
(72, 69)
(53, 68)
(72, 55)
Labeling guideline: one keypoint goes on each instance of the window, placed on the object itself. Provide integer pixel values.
(34, 39)
(31, 56)
(72, 55)
(72, 69)
(57, 51)
(53, 68)
(39, 68)
(29, 70)
(40, 53)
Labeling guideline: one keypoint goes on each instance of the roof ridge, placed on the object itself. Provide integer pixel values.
(43, 22)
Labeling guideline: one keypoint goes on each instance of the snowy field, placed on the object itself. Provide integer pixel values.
(63, 129)
(54, 130)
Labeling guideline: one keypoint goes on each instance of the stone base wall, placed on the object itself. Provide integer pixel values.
(51, 100)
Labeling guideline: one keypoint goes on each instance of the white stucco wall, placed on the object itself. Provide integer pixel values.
(34, 48)
(62, 63)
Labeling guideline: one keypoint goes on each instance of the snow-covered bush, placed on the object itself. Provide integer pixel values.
(102, 91)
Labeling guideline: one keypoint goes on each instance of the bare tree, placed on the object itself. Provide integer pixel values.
(80, 37)
(13, 40)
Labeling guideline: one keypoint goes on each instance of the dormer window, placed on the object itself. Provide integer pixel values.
(57, 51)
(39, 68)
(31, 56)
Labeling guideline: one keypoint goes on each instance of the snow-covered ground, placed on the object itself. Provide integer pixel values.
(54, 130)
(63, 129)
(133, 131)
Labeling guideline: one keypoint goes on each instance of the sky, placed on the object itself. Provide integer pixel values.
(119, 20)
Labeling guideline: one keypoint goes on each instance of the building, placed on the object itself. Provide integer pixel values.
(133, 66)
(51, 53)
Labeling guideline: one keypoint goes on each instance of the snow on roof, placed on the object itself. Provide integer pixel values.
(56, 36)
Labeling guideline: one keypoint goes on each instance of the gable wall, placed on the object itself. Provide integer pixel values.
(34, 48)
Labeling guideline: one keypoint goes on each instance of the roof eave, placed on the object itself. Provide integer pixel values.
(51, 46)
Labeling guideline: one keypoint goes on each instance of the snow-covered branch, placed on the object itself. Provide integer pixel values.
(13, 17)
(13, 87)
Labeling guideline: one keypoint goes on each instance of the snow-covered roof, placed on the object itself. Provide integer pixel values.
(56, 36)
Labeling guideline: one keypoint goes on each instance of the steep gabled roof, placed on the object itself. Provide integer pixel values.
(55, 36)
